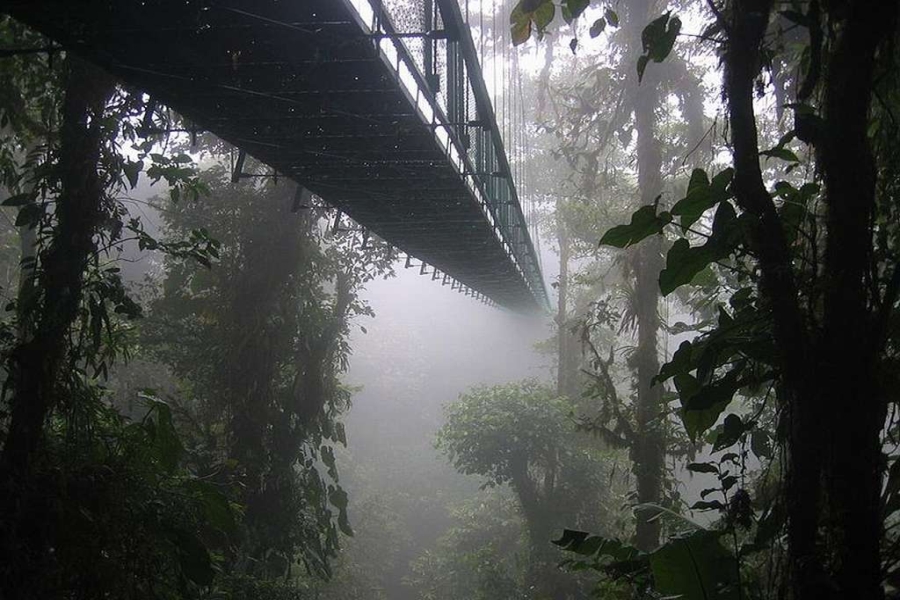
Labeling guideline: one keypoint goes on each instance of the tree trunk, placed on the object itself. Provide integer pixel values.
(261, 341)
(851, 401)
(648, 449)
(39, 358)
(48, 308)
(567, 369)
(748, 24)
(829, 376)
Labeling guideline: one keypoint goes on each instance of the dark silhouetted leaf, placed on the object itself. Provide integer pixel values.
(695, 567)
(707, 505)
(732, 430)
(702, 195)
(658, 39)
(782, 153)
(683, 262)
(702, 405)
(583, 543)
(704, 467)
(681, 363)
(19, 200)
(644, 223)
(29, 215)
(132, 171)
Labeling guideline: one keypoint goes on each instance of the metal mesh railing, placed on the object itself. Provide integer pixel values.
(463, 76)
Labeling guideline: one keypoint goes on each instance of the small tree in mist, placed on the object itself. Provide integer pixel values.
(479, 556)
(522, 435)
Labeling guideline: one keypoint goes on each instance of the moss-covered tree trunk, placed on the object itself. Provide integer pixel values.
(277, 365)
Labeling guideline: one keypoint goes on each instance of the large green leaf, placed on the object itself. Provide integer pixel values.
(702, 194)
(193, 558)
(544, 15)
(536, 13)
(695, 567)
(520, 25)
(701, 405)
(695, 201)
(576, 7)
(644, 223)
(658, 39)
(683, 263)
(166, 443)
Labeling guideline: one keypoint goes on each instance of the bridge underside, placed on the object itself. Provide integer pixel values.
(300, 86)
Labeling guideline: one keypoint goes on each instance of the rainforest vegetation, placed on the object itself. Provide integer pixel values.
(218, 386)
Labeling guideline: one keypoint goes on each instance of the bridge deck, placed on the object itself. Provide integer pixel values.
(302, 86)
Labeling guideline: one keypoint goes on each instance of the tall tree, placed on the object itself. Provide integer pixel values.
(40, 356)
(829, 356)
(260, 344)
(823, 260)
(648, 444)
(76, 480)
(613, 105)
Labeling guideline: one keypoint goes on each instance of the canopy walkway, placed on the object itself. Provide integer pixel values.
(379, 107)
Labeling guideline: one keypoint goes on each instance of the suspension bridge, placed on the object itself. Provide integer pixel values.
(393, 111)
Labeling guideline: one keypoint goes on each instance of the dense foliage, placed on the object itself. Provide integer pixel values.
(175, 438)
(792, 243)
(520, 435)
